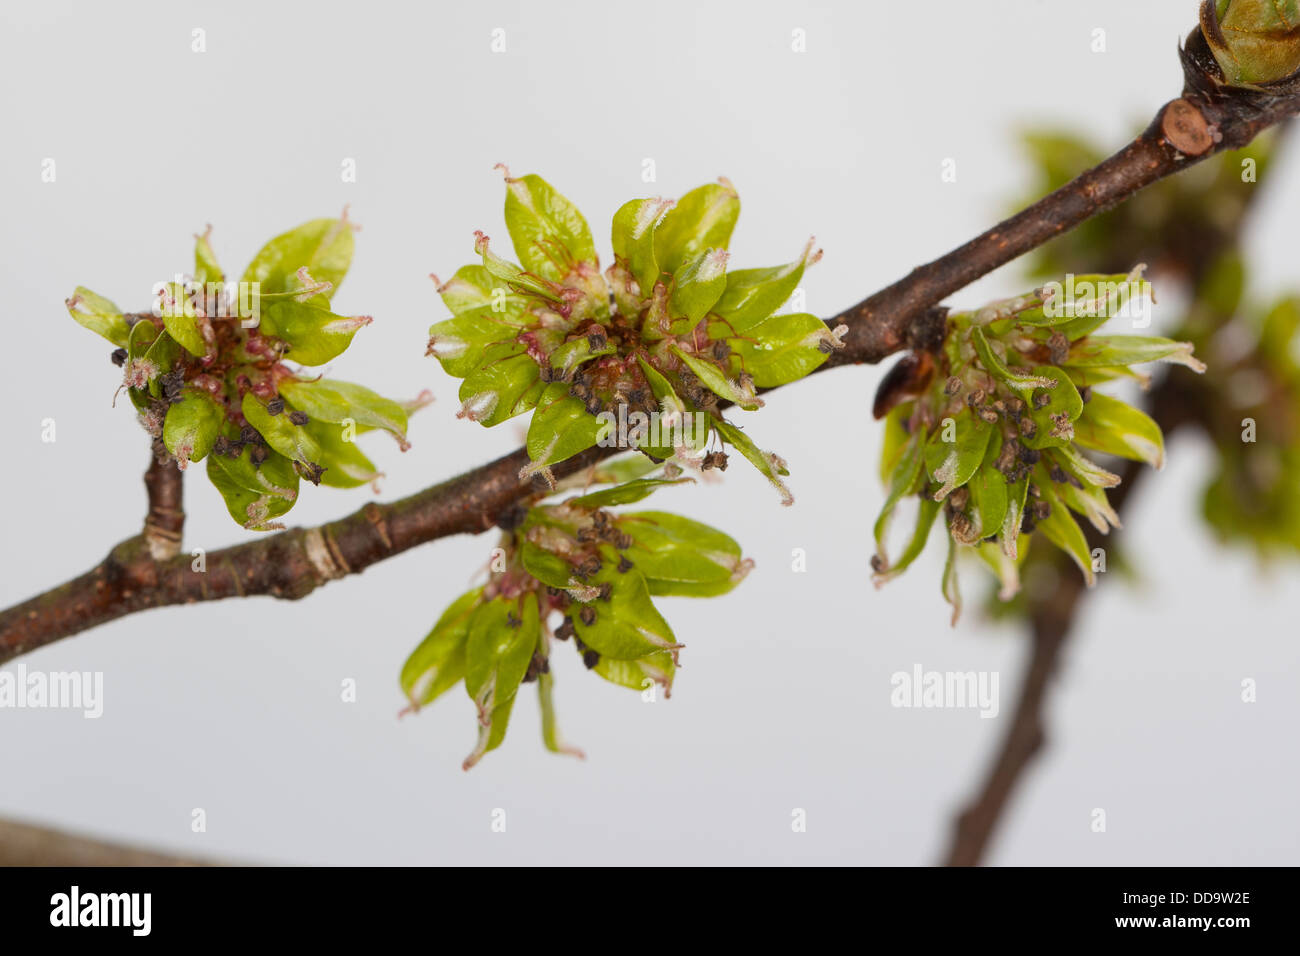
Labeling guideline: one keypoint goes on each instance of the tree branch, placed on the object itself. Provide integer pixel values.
(22, 844)
(293, 563)
(1184, 132)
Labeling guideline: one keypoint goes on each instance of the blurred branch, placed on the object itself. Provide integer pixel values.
(293, 563)
(22, 844)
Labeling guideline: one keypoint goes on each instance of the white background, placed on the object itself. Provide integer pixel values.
(783, 701)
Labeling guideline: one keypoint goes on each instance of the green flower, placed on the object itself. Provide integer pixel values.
(992, 432)
(641, 356)
(595, 571)
(1254, 42)
(207, 372)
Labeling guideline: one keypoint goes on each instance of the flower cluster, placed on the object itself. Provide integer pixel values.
(666, 333)
(991, 431)
(206, 370)
(596, 572)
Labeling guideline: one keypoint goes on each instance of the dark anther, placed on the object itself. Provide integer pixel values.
(1058, 346)
(587, 615)
(275, 406)
(564, 631)
(118, 357)
(590, 658)
(299, 418)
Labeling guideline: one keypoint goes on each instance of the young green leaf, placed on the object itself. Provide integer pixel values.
(640, 674)
(322, 246)
(346, 466)
(473, 290)
(1124, 350)
(501, 390)
(885, 571)
(550, 235)
(783, 348)
(988, 494)
(330, 400)
(192, 426)
(292, 441)
(315, 335)
(180, 325)
(1053, 421)
(560, 430)
(1060, 528)
(702, 219)
(206, 268)
(995, 366)
(697, 284)
(503, 636)
(438, 663)
(771, 466)
(718, 383)
(904, 479)
(678, 556)
(754, 294)
(627, 493)
(633, 235)
(1115, 428)
(514, 276)
(255, 495)
(551, 738)
(956, 450)
(99, 315)
(628, 625)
